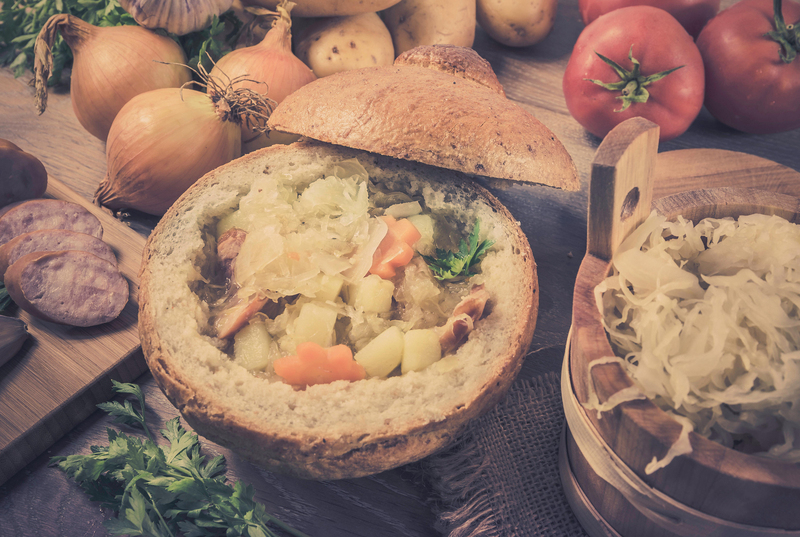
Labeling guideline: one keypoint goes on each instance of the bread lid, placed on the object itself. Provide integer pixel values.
(439, 107)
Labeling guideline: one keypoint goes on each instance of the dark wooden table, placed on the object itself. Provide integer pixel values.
(39, 501)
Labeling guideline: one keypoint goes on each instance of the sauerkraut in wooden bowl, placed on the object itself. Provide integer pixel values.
(682, 381)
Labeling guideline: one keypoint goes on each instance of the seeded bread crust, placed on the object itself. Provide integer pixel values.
(423, 112)
(343, 429)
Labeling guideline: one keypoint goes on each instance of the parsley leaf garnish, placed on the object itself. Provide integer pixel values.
(157, 492)
(447, 265)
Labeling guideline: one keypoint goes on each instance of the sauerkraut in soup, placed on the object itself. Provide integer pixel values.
(707, 320)
(328, 278)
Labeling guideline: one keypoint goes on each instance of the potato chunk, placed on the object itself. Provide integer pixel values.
(420, 349)
(383, 354)
(252, 347)
(315, 323)
(372, 294)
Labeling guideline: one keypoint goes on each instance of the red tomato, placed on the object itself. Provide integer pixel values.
(659, 43)
(748, 86)
(692, 14)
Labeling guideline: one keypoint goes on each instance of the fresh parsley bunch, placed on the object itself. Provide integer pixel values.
(450, 265)
(168, 492)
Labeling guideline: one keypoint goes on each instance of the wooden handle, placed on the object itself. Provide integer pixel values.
(621, 185)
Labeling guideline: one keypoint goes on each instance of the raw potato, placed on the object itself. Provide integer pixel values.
(517, 23)
(431, 22)
(343, 43)
(327, 8)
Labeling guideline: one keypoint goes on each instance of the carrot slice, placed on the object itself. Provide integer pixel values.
(315, 364)
(395, 250)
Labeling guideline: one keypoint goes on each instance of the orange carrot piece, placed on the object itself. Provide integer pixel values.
(314, 364)
(395, 249)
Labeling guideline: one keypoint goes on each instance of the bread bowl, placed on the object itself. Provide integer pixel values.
(342, 429)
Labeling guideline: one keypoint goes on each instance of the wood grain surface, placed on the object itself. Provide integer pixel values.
(62, 372)
(711, 479)
(40, 501)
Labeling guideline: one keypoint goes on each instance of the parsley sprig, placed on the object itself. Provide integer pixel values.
(447, 265)
(165, 493)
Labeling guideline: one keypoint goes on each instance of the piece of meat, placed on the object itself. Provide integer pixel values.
(236, 314)
(52, 240)
(68, 287)
(38, 214)
(228, 246)
(455, 332)
(474, 303)
(463, 319)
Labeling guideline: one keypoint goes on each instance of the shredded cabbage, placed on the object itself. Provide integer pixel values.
(305, 231)
(707, 318)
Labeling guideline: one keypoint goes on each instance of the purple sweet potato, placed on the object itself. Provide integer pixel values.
(68, 287)
(52, 240)
(37, 214)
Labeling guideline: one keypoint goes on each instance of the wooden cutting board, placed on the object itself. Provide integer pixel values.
(62, 372)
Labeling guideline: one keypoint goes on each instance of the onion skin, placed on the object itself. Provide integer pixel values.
(111, 65)
(271, 67)
(162, 142)
(175, 16)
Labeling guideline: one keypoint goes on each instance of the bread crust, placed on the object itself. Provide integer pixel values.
(327, 450)
(453, 60)
(428, 115)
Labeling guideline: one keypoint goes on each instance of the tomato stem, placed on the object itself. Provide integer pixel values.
(632, 83)
(788, 36)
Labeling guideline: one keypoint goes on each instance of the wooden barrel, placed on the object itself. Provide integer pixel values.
(711, 491)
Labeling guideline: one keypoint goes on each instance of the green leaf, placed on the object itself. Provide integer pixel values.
(448, 265)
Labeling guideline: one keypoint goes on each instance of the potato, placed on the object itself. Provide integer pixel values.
(517, 23)
(372, 294)
(315, 323)
(426, 227)
(383, 354)
(421, 348)
(326, 8)
(431, 22)
(252, 347)
(343, 43)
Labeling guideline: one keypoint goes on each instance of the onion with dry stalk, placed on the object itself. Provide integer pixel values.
(111, 65)
(175, 16)
(164, 140)
(268, 64)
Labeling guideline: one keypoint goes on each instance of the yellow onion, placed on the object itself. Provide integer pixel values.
(175, 16)
(164, 140)
(267, 66)
(111, 65)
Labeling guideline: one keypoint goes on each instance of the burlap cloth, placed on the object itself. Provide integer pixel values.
(501, 478)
